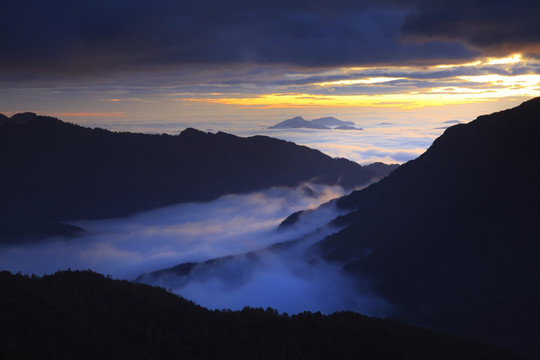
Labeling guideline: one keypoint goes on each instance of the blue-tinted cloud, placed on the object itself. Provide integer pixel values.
(163, 237)
(232, 225)
(495, 27)
(96, 36)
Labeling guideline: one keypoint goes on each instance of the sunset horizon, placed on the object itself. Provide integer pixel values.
(211, 63)
(286, 179)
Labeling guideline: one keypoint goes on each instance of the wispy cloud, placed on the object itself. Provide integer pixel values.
(90, 114)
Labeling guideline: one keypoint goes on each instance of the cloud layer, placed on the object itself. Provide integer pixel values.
(494, 27)
(236, 229)
(96, 36)
(164, 237)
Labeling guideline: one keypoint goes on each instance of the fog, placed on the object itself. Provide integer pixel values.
(281, 277)
(238, 227)
(150, 240)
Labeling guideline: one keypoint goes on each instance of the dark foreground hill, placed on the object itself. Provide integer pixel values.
(453, 237)
(53, 171)
(84, 315)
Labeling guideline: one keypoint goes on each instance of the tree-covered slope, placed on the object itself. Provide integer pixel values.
(84, 315)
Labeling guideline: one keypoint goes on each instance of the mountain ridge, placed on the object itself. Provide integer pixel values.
(450, 238)
(452, 235)
(59, 171)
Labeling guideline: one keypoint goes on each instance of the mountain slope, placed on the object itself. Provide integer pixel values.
(56, 171)
(453, 237)
(382, 169)
(84, 315)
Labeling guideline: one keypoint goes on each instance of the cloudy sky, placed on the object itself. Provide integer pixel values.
(242, 65)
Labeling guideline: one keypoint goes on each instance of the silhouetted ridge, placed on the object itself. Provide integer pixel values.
(57, 171)
(84, 315)
(23, 118)
(453, 235)
(18, 119)
(381, 169)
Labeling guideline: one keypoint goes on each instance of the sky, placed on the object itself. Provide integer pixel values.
(241, 66)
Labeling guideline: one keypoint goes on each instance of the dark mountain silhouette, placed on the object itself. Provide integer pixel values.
(84, 315)
(454, 236)
(20, 119)
(54, 171)
(323, 123)
(381, 169)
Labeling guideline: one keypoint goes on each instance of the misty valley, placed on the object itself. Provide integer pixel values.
(243, 257)
(265, 234)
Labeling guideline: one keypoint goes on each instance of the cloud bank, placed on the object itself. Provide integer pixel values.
(160, 238)
(494, 27)
(284, 276)
(235, 229)
(97, 36)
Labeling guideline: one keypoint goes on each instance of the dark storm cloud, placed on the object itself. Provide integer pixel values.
(495, 27)
(95, 36)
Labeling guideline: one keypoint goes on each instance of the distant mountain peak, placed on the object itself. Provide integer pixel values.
(324, 123)
(23, 117)
(18, 119)
(331, 121)
(191, 131)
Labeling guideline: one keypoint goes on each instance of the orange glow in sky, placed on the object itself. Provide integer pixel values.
(391, 91)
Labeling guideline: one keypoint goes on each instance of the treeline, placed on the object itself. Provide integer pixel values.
(85, 315)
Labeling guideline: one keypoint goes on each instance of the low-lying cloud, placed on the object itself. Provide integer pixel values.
(281, 278)
(147, 241)
(237, 230)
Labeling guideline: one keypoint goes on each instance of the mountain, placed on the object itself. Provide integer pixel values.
(381, 169)
(297, 123)
(55, 171)
(347, 127)
(321, 123)
(3, 119)
(453, 236)
(19, 119)
(331, 121)
(84, 315)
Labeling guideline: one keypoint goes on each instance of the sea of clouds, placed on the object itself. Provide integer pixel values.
(239, 228)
